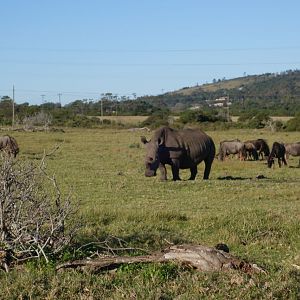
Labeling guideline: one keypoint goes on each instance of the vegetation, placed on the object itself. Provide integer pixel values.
(257, 218)
(261, 95)
(199, 116)
(254, 119)
(34, 217)
(274, 94)
(159, 118)
(293, 124)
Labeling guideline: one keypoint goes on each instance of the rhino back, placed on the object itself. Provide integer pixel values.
(191, 146)
(197, 144)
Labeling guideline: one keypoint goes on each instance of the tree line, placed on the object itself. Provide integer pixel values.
(254, 99)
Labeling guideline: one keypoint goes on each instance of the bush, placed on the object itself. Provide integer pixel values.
(255, 120)
(39, 119)
(83, 121)
(156, 120)
(199, 116)
(34, 216)
(293, 124)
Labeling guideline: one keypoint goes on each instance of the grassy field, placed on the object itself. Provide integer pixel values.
(258, 219)
(135, 120)
(283, 119)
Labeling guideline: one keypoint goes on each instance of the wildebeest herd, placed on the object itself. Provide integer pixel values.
(185, 149)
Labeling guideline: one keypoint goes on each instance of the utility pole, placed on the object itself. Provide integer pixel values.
(227, 109)
(13, 107)
(101, 107)
(43, 101)
(43, 98)
(59, 99)
(228, 114)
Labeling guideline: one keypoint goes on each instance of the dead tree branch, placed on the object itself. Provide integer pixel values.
(200, 257)
(35, 216)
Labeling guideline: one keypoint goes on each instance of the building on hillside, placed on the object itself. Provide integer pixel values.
(219, 102)
(195, 107)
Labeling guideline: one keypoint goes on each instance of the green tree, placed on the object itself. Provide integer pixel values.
(293, 124)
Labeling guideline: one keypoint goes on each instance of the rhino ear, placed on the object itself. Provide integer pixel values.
(144, 140)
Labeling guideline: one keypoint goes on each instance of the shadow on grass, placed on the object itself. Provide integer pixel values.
(233, 178)
(37, 156)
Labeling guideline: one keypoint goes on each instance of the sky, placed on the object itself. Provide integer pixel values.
(81, 49)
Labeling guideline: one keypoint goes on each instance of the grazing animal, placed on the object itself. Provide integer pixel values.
(261, 146)
(232, 147)
(292, 149)
(278, 151)
(182, 149)
(251, 151)
(9, 145)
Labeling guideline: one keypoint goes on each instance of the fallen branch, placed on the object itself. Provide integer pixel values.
(139, 129)
(200, 257)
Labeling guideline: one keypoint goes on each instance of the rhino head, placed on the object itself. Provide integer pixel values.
(151, 158)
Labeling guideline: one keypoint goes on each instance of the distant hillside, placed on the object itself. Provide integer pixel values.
(278, 94)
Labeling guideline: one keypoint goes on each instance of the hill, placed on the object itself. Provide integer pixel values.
(277, 93)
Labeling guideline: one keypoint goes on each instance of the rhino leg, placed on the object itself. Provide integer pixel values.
(208, 164)
(194, 172)
(175, 169)
(163, 172)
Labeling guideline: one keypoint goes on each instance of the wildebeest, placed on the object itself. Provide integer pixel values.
(292, 149)
(182, 149)
(9, 145)
(232, 147)
(251, 150)
(278, 151)
(261, 146)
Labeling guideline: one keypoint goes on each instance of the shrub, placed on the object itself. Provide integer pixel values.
(199, 116)
(156, 120)
(254, 119)
(83, 121)
(293, 124)
(34, 216)
(39, 119)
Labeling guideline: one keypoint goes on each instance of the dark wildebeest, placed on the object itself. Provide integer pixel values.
(9, 145)
(232, 147)
(251, 150)
(292, 149)
(278, 151)
(182, 149)
(261, 146)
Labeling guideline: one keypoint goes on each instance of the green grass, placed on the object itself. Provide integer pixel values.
(258, 219)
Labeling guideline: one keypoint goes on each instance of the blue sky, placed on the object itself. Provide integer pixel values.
(82, 49)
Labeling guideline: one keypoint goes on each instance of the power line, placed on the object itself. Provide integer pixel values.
(152, 64)
(73, 93)
(150, 50)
